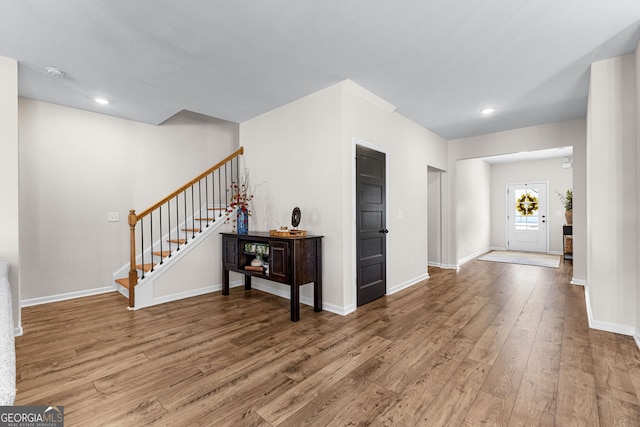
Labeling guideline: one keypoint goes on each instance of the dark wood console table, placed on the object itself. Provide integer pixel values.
(567, 237)
(293, 261)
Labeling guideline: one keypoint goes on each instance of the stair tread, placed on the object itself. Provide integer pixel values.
(217, 209)
(196, 230)
(163, 254)
(124, 282)
(145, 266)
(204, 219)
(179, 241)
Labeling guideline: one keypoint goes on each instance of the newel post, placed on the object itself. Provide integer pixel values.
(133, 272)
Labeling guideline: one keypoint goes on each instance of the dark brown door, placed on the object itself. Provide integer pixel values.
(370, 224)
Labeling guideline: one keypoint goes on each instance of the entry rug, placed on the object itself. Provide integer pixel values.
(526, 258)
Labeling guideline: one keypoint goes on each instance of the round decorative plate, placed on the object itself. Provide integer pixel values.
(295, 217)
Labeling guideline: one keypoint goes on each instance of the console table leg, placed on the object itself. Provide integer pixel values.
(225, 282)
(247, 283)
(295, 303)
(317, 296)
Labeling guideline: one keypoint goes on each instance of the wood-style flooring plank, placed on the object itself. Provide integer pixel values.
(489, 344)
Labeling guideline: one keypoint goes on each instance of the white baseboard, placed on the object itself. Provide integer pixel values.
(636, 337)
(498, 248)
(579, 282)
(472, 256)
(444, 266)
(342, 311)
(63, 297)
(195, 292)
(606, 326)
(331, 308)
(556, 253)
(397, 288)
(17, 332)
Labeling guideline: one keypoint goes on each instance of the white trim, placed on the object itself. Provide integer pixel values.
(70, 295)
(498, 248)
(606, 326)
(450, 266)
(268, 288)
(636, 337)
(354, 255)
(407, 284)
(472, 256)
(579, 282)
(17, 332)
(194, 293)
(556, 253)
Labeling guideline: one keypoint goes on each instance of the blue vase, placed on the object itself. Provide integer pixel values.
(242, 221)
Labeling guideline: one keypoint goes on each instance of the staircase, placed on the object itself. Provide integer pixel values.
(168, 230)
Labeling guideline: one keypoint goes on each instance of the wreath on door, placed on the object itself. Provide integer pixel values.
(527, 204)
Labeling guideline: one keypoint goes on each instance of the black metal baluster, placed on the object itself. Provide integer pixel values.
(161, 245)
(206, 199)
(177, 223)
(142, 244)
(237, 168)
(226, 186)
(193, 217)
(169, 226)
(186, 236)
(193, 225)
(153, 264)
(219, 191)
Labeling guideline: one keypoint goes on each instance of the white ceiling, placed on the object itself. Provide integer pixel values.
(438, 61)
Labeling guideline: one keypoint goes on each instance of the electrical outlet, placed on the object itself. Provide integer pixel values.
(114, 216)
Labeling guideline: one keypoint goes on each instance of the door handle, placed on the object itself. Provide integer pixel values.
(384, 230)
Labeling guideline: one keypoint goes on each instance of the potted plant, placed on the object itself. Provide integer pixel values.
(567, 202)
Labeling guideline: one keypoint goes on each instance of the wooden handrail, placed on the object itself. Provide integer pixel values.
(133, 219)
(190, 183)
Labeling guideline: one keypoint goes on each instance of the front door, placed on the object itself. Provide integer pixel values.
(527, 217)
(371, 229)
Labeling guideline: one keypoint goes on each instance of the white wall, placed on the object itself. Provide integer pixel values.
(293, 156)
(637, 93)
(611, 182)
(549, 170)
(561, 134)
(76, 166)
(302, 155)
(473, 208)
(9, 179)
(412, 149)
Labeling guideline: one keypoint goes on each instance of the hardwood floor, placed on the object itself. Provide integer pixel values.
(493, 343)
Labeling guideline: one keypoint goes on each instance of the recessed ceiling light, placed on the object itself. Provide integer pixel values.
(55, 72)
(487, 111)
(101, 101)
